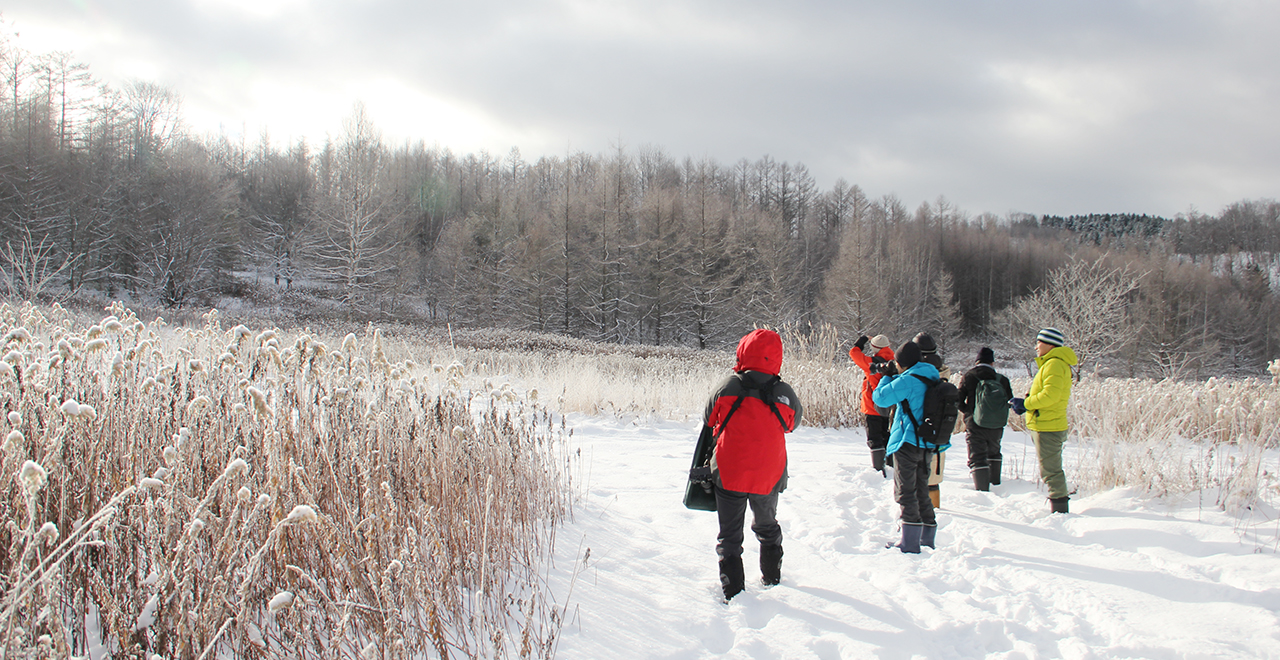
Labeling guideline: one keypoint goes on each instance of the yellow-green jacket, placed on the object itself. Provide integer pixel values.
(1047, 399)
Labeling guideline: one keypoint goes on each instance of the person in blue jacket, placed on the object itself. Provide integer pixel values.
(912, 457)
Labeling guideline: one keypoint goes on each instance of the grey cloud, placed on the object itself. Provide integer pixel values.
(1040, 107)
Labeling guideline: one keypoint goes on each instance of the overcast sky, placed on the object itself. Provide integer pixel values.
(1056, 107)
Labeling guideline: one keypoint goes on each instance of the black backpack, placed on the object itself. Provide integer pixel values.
(941, 408)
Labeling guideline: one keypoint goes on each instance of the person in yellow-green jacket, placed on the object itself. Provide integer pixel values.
(1045, 408)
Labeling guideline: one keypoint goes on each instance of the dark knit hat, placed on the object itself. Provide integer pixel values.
(986, 356)
(908, 355)
(926, 343)
(1051, 336)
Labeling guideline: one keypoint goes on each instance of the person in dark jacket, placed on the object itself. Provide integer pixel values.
(751, 413)
(865, 353)
(929, 353)
(984, 441)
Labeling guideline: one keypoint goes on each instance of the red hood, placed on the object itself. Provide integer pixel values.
(761, 350)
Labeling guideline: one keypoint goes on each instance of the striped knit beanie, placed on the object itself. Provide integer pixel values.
(1051, 336)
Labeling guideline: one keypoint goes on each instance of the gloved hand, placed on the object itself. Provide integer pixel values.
(884, 368)
(1017, 405)
(862, 341)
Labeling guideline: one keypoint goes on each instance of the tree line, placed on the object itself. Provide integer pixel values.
(102, 191)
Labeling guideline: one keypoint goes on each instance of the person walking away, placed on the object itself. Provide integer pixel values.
(911, 456)
(752, 411)
(929, 353)
(1045, 409)
(984, 406)
(868, 353)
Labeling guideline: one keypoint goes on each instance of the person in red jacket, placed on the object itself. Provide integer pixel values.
(750, 415)
(865, 353)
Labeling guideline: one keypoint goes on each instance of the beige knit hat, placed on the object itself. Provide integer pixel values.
(880, 341)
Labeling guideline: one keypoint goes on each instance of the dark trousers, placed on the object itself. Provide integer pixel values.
(984, 444)
(731, 507)
(877, 431)
(911, 484)
(878, 438)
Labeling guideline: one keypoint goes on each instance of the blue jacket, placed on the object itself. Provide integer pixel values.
(897, 389)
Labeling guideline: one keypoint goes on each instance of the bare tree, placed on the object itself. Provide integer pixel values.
(34, 270)
(188, 227)
(154, 113)
(277, 196)
(356, 216)
(1087, 300)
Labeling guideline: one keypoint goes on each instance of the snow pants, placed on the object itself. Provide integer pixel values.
(912, 468)
(1049, 452)
(731, 507)
(877, 437)
(984, 444)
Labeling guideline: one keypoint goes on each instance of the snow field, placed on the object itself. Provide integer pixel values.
(1120, 577)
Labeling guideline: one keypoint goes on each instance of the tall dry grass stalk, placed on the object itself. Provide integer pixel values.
(1173, 437)
(201, 492)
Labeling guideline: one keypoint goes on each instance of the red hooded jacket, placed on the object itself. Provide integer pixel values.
(751, 452)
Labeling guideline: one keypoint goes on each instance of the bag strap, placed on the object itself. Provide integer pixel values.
(773, 405)
(928, 382)
(906, 404)
(715, 437)
(766, 391)
(732, 409)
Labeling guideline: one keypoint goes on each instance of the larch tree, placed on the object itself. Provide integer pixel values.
(356, 219)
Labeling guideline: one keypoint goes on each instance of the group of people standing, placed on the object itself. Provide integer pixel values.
(753, 410)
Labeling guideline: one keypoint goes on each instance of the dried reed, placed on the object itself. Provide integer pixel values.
(193, 492)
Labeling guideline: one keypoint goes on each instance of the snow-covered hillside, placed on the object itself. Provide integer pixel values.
(1122, 576)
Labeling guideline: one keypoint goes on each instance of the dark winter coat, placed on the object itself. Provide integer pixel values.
(969, 386)
(751, 452)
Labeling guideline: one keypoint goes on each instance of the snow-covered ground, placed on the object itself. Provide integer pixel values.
(1122, 576)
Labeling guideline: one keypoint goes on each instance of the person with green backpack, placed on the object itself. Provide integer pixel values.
(984, 403)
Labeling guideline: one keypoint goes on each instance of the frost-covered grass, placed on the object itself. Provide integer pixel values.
(648, 382)
(1128, 429)
(203, 492)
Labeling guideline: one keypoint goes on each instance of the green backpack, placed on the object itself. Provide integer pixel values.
(990, 404)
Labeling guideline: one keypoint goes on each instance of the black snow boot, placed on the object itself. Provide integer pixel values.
(928, 535)
(1058, 505)
(731, 579)
(877, 460)
(911, 533)
(770, 564)
(993, 472)
(981, 478)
